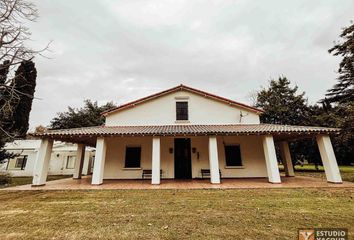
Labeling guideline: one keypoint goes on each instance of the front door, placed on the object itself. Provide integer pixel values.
(183, 165)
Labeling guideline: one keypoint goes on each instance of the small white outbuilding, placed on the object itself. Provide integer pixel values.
(62, 159)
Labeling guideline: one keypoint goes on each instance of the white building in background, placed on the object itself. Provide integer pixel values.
(62, 159)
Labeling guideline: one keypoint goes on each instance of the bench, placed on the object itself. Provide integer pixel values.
(148, 173)
(206, 173)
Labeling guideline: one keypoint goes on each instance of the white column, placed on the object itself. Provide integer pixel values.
(214, 160)
(100, 157)
(155, 179)
(286, 157)
(271, 159)
(328, 159)
(79, 162)
(87, 164)
(41, 164)
(90, 162)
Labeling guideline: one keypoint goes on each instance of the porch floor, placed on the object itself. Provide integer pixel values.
(85, 183)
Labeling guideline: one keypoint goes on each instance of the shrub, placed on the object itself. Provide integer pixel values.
(5, 179)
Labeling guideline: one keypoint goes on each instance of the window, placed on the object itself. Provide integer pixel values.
(70, 162)
(21, 162)
(233, 156)
(132, 157)
(181, 110)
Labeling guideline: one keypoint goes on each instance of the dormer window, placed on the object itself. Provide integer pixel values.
(181, 110)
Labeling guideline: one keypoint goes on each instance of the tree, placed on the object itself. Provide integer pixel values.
(16, 87)
(343, 91)
(87, 116)
(282, 104)
(40, 129)
(345, 140)
(16, 108)
(342, 96)
(24, 83)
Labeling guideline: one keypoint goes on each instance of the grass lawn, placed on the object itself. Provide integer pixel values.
(347, 172)
(173, 214)
(15, 181)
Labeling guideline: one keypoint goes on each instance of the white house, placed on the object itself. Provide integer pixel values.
(186, 133)
(62, 159)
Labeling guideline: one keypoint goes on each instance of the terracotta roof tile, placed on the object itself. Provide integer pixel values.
(171, 130)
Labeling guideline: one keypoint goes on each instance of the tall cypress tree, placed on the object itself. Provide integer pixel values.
(4, 70)
(24, 84)
(342, 94)
(343, 91)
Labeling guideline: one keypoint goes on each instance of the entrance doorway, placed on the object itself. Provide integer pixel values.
(183, 163)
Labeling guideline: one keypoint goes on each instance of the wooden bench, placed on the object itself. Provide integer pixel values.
(148, 173)
(206, 173)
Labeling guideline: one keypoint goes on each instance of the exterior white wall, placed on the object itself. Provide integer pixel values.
(251, 152)
(252, 156)
(57, 163)
(10, 166)
(162, 111)
(115, 156)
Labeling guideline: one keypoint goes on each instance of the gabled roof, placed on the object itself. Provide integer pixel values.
(182, 88)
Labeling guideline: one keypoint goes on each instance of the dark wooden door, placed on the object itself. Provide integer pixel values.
(183, 165)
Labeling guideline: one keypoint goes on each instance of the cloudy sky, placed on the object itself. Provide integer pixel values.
(108, 50)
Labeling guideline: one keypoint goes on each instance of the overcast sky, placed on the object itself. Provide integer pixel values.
(119, 51)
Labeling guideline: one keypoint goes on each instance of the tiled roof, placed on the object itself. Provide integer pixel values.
(183, 88)
(173, 130)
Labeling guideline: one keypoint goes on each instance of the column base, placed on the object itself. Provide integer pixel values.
(215, 182)
(96, 184)
(37, 185)
(274, 182)
(335, 182)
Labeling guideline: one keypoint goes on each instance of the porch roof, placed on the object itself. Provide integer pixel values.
(89, 134)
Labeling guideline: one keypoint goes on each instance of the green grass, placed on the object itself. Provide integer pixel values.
(172, 214)
(347, 172)
(15, 181)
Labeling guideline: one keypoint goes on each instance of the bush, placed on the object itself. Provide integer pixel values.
(5, 179)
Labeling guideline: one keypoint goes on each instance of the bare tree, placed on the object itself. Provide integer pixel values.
(17, 71)
(14, 15)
